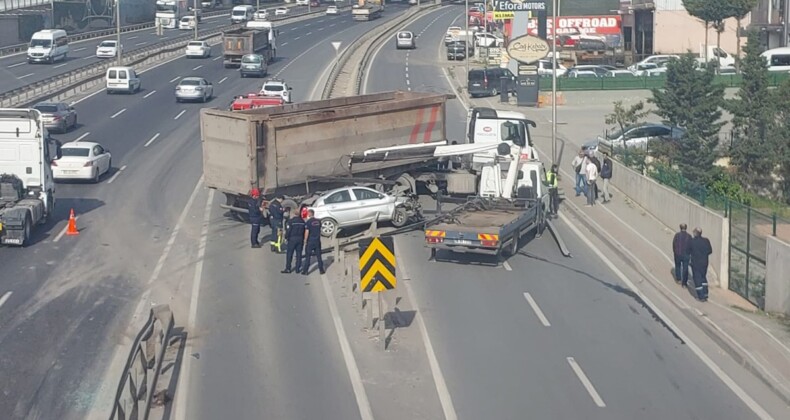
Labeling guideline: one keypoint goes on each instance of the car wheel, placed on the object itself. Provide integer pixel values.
(96, 177)
(203, 99)
(178, 100)
(494, 92)
(328, 227)
(74, 124)
(399, 217)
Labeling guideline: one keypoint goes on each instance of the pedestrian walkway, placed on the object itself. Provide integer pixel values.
(754, 339)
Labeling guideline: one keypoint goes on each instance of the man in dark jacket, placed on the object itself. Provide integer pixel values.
(313, 243)
(294, 235)
(699, 250)
(256, 216)
(681, 246)
(606, 175)
(276, 223)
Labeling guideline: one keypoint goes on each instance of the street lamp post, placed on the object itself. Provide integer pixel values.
(466, 37)
(195, 11)
(118, 50)
(554, 82)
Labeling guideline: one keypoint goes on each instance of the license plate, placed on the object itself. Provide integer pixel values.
(13, 241)
(462, 242)
(70, 172)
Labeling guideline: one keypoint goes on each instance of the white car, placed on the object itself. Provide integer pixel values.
(82, 160)
(302, 2)
(281, 11)
(277, 87)
(261, 14)
(355, 206)
(488, 40)
(198, 49)
(331, 10)
(187, 22)
(107, 49)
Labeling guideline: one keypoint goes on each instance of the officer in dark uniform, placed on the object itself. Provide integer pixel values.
(294, 234)
(256, 216)
(276, 223)
(313, 242)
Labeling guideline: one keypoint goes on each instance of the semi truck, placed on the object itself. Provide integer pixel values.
(366, 10)
(238, 42)
(27, 187)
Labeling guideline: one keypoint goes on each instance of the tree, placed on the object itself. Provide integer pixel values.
(624, 117)
(781, 137)
(691, 99)
(753, 114)
(739, 10)
(713, 13)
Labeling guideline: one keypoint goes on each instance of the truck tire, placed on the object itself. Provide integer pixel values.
(28, 228)
(328, 227)
(399, 217)
(512, 249)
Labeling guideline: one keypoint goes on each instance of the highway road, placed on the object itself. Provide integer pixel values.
(554, 337)
(15, 72)
(69, 299)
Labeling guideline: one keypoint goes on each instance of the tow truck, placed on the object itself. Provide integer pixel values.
(255, 100)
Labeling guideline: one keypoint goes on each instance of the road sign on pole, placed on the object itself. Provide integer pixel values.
(377, 264)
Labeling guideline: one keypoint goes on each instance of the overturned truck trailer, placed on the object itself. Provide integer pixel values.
(279, 149)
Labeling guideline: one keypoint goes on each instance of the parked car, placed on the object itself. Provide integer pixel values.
(547, 67)
(356, 206)
(580, 74)
(638, 136)
(620, 73)
(487, 82)
(198, 49)
(82, 160)
(57, 116)
(488, 40)
(194, 88)
(599, 70)
(658, 60)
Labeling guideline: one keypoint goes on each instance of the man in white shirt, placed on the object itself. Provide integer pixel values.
(591, 172)
(578, 167)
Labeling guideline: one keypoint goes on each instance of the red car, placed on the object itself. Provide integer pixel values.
(253, 100)
(315, 3)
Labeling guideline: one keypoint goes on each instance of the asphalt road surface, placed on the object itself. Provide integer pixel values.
(15, 72)
(69, 299)
(543, 334)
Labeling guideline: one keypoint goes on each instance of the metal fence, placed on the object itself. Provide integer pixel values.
(629, 82)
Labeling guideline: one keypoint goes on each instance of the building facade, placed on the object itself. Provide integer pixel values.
(770, 17)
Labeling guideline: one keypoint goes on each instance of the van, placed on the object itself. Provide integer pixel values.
(241, 14)
(122, 79)
(486, 82)
(778, 59)
(48, 45)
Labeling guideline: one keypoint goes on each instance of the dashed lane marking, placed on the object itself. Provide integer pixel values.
(82, 136)
(5, 298)
(149, 94)
(117, 174)
(222, 80)
(63, 232)
(148, 143)
(536, 309)
(586, 382)
(118, 113)
(197, 67)
(174, 79)
(180, 114)
(27, 75)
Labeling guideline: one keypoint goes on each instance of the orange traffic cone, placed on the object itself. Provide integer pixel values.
(72, 229)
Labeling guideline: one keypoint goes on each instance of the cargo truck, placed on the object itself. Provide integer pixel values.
(238, 42)
(27, 187)
(367, 10)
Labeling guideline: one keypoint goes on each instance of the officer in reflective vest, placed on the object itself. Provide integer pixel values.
(554, 194)
(276, 223)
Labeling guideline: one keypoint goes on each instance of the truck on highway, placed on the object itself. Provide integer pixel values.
(238, 42)
(27, 187)
(169, 12)
(366, 10)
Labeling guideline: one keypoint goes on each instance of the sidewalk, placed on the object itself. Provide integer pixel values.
(755, 340)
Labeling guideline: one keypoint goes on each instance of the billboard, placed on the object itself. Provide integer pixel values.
(580, 25)
(518, 5)
(86, 15)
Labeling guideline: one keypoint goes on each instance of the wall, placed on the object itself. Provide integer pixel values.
(672, 209)
(676, 32)
(777, 276)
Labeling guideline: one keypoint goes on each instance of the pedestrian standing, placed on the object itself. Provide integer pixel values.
(313, 245)
(256, 216)
(591, 175)
(576, 164)
(681, 246)
(699, 250)
(597, 163)
(294, 234)
(276, 223)
(554, 194)
(606, 176)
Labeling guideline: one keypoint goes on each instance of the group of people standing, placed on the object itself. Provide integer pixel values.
(692, 251)
(300, 231)
(589, 169)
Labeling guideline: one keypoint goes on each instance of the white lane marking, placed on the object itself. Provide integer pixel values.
(60, 65)
(283, 44)
(180, 114)
(118, 113)
(80, 49)
(407, 82)
(27, 75)
(222, 80)
(181, 404)
(65, 228)
(197, 67)
(297, 37)
(149, 94)
(148, 143)
(88, 57)
(331, 25)
(174, 79)
(132, 37)
(293, 29)
(586, 382)
(112, 179)
(506, 266)
(140, 43)
(536, 308)
(216, 58)
(16, 65)
(5, 298)
(365, 410)
(82, 136)
(309, 33)
(438, 378)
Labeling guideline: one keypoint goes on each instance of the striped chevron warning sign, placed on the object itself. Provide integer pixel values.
(377, 264)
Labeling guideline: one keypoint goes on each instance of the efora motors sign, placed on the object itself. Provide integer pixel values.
(518, 5)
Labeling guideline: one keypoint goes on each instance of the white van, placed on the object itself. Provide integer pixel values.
(778, 59)
(241, 14)
(48, 45)
(122, 79)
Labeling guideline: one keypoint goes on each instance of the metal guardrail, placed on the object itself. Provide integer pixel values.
(35, 92)
(7, 5)
(137, 389)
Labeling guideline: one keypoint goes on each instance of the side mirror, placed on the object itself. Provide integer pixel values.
(71, 108)
(290, 88)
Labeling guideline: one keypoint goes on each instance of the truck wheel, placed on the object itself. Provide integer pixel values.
(328, 227)
(28, 227)
(399, 217)
(513, 248)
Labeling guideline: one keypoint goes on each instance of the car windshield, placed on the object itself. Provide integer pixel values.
(239, 13)
(46, 108)
(614, 135)
(46, 43)
(404, 35)
(107, 44)
(274, 88)
(75, 151)
(195, 44)
(190, 82)
(476, 75)
(251, 59)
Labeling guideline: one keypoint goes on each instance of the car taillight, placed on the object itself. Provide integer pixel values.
(434, 240)
(88, 164)
(489, 243)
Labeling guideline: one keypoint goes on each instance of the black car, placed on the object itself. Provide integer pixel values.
(458, 50)
(487, 82)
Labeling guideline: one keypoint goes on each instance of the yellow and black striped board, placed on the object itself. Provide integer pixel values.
(377, 264)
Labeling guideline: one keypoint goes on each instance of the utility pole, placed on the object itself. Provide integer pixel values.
(554, 82)
(195, 11)
(118, 49)
(466, 37)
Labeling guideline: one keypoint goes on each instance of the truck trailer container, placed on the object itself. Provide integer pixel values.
(238, 42)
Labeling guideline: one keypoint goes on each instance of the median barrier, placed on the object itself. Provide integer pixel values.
(777, 276)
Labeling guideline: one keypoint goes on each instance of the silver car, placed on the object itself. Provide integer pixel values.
(57, 116)
(355, 206)
(194, 89)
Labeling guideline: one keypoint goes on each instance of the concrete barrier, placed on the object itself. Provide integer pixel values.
(672, 209)
(777, 276)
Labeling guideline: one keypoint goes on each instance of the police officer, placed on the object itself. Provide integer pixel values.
(699, 251)
(294, 234)
(276, 223)
(554, 194)
(256, 216)
(313, 242)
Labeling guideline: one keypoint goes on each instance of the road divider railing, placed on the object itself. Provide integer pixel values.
(68, 84)
(347, 72)
(139, 388)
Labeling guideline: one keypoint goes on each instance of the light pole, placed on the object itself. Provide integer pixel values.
(466, 37)
(554, 82)
(195, 11)
(118, 50)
